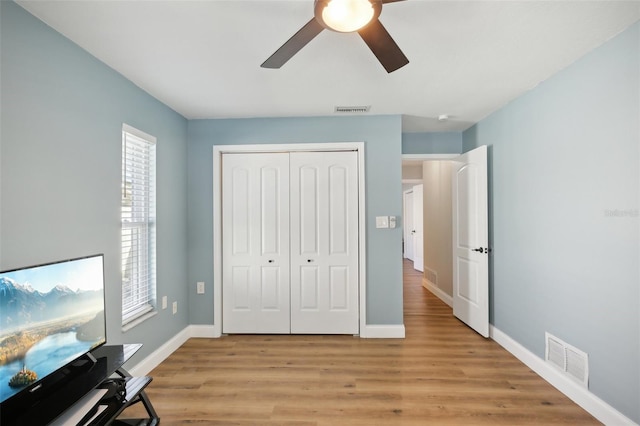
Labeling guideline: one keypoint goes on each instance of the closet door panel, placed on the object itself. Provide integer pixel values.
(324, 223)
(309, 288)
(339, 282)
(309, 226)
(338, 210)
(255, 248)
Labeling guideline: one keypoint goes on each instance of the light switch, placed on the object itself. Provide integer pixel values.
(392, 221)
(382, 221)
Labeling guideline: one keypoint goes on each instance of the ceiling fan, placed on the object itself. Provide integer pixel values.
(345, 16)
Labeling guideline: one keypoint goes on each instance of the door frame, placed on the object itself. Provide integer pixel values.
(219, 150)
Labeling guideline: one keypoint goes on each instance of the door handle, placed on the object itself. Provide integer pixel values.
(271, 260)
(413, 232)
(309, 260)
(482, 250)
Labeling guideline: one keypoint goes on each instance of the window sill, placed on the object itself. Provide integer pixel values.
(128, 326)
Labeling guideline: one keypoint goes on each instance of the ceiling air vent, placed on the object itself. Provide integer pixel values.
(352, 109)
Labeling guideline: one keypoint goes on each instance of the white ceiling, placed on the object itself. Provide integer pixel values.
(467, 58)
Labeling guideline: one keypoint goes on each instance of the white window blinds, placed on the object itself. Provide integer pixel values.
(138, 216)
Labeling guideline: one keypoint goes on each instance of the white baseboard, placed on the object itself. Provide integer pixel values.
(204, 331)
(437, 292)
(391, 331)
(581, 396)
(156, 357)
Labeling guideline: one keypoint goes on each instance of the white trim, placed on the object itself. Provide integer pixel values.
(217, 240)
(427, 157)
(218, 150)
(139, 320)
(437, 292)
(163, 352)
(156, 357)
(139, 133)
(578, 394)
(204, 330)
(289, 147)
(362, 236)
(389, 331)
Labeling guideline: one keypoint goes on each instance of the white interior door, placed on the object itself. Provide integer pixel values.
(470, 240)
(407, 227)
(418, 228)
(255, 243)
(324, 242)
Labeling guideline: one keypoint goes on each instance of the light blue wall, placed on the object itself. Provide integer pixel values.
(564, 189)
(432, 143)
(60, 166)
(382, 137)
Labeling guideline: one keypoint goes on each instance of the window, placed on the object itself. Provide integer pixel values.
(138, 215)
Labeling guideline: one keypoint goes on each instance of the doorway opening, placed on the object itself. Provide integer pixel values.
(456, 244)
(416, 176)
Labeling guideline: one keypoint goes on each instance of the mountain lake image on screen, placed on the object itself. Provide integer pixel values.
(50, 315)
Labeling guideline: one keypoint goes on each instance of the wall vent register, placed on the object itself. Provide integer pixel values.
(569, 360)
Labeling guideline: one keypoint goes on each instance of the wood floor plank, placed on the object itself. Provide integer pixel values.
(442, 373)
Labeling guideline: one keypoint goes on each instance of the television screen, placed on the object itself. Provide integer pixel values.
(50, 315)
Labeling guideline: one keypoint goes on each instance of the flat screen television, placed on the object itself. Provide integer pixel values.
(50, 315)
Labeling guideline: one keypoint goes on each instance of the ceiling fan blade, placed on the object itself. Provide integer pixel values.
(294, 44)
(390, 1)
(383, 46)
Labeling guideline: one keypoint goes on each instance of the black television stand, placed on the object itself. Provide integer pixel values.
(134, 394)
(112, 408)
(65, 397)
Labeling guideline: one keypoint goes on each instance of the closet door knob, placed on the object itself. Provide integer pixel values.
(482, 250)
(309, 260)
(271, 260)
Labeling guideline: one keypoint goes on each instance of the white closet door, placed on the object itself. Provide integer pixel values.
(324, 242)
(255, 248)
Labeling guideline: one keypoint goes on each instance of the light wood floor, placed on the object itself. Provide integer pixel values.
(442, 373)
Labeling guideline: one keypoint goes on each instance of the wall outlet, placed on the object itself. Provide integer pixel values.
(175, 308)
(164, 302)
(200, 287)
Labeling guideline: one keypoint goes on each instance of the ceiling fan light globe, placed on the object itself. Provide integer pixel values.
(346, 16)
